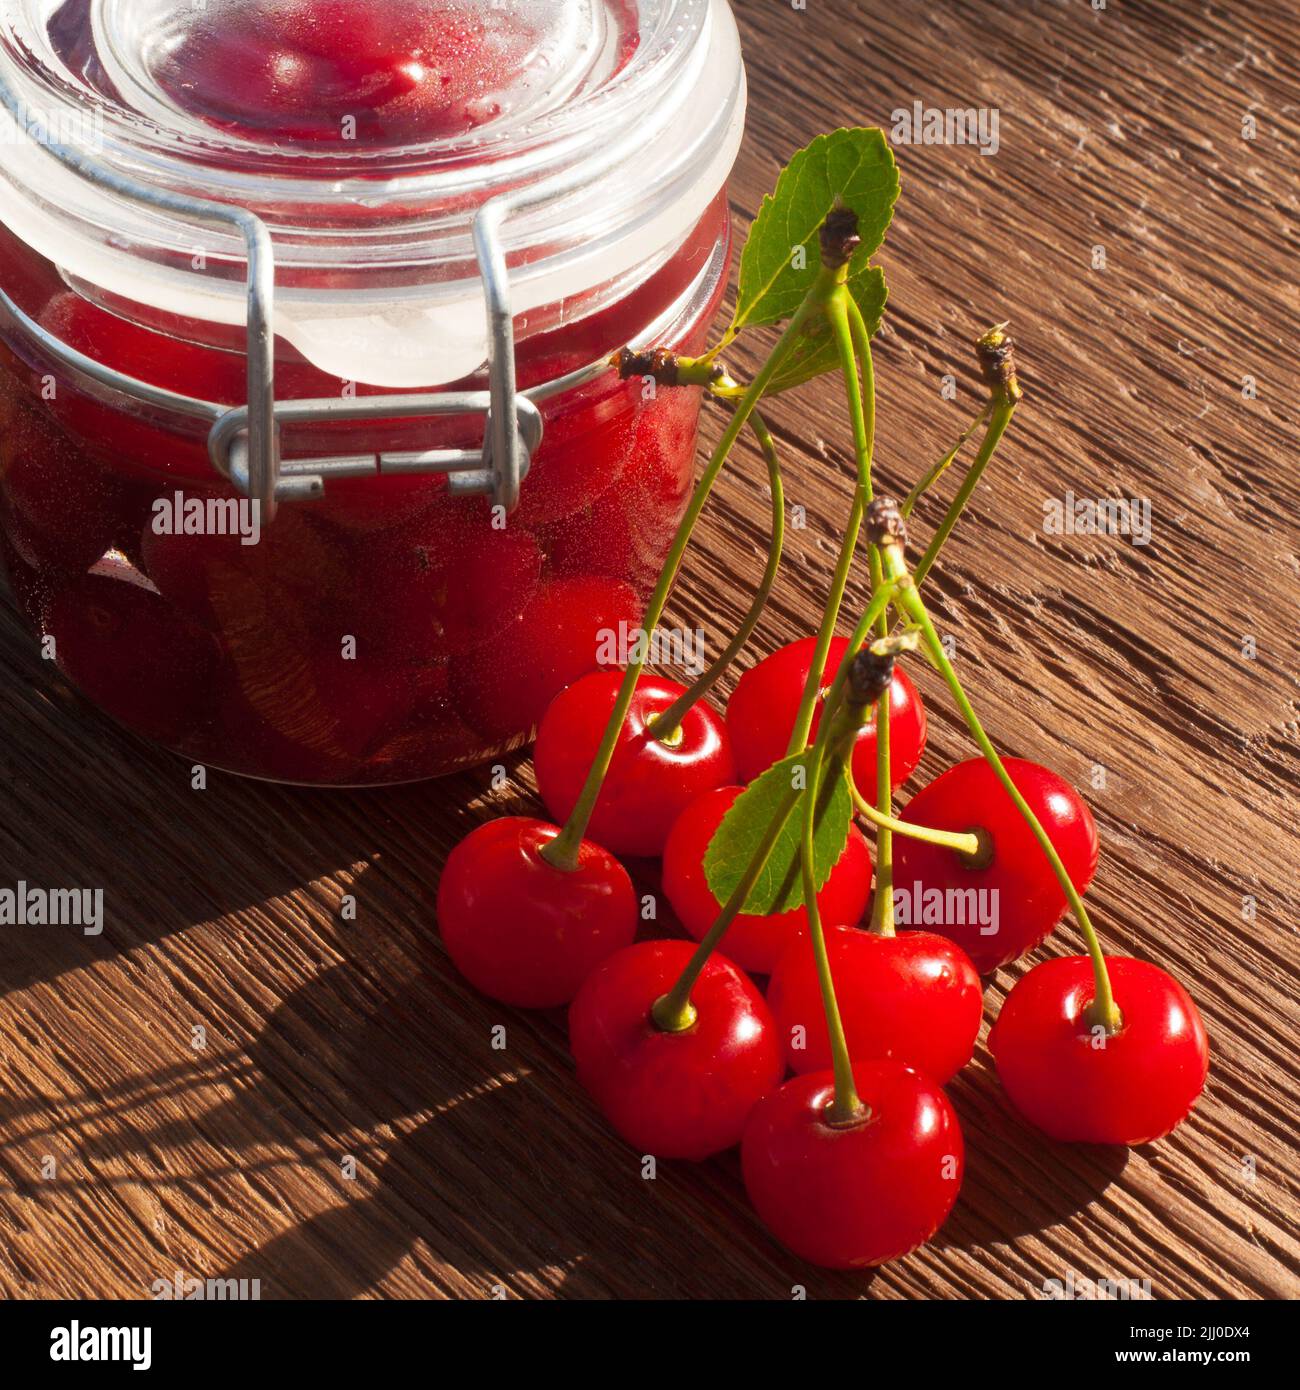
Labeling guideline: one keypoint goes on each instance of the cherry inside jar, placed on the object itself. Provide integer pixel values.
(391, 630)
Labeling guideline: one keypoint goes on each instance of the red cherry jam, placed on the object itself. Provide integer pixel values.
(389, 631)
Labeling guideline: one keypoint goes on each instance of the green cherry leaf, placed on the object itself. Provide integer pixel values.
(779, 887)
(782, 256)
(814, 353)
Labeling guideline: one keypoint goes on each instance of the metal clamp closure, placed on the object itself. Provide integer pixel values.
(245, 441)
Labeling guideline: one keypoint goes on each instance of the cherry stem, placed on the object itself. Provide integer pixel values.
(994, 349)
(674, 1012)
(562, 852)
(937, 471)
(1102, 1012)
(965, 842)
(837, 310)
(881, 598)
(845, 1106)
(665, 724)
(882, 907)
(839, 583)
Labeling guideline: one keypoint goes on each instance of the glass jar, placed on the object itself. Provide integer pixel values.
(383, 621)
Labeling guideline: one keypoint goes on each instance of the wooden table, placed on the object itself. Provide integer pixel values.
(329, 1042)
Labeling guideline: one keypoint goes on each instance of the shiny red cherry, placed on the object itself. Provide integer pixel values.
(754, 941)
(504, 687)
(650, 780)
(765, 703)
(914, 997)
(673, 1095)
(523, 931)
(1078, 1084)
(854, 1196)
(1016, 900)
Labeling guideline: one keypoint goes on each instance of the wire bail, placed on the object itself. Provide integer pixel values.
(244, 442)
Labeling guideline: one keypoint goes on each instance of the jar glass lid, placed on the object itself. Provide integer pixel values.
(367, 134)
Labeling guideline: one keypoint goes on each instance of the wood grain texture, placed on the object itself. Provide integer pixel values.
(327, 1038)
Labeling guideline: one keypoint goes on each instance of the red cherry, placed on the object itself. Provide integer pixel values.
(765, 703)
(674, 1095)
(136, 445)
(519, 929)
(600, 423)
(439, 586)
(369, 703)
(914, 997)
(281, 669)
(503, 688)
(753, 941)
(1023, 890)
(59, 508)
(1081, 1086)
(138, 658)
(435, 739)
(294, 558)
(365, 508)
(649, 781)
(854, 1196)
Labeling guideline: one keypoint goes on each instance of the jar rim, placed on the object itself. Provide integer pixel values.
(614, 181)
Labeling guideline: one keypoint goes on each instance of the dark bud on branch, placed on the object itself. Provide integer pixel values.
(869, 676)
(839, 238)
(884, 523)
(659, 363)
(667, 368)
(997, 359)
